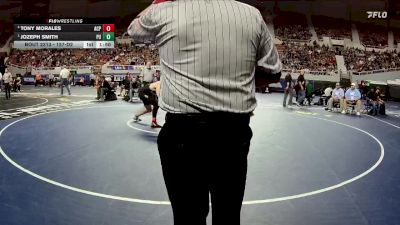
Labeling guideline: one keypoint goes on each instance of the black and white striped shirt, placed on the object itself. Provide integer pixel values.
(208, 50)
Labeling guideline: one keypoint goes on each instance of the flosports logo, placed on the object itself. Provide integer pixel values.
(377, 14)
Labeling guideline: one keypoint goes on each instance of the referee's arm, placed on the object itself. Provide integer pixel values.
(268, 64)
(145, 27)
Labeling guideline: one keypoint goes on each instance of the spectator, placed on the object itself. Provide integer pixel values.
(104, 89)
(374, 97)
(337, 97)
(288, 89)
(352, 97)
(362, 88)
(300, 88)
(7, 79)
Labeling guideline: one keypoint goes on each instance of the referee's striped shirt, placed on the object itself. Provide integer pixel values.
(208, 52)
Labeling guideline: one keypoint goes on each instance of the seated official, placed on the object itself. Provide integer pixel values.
(352, 97)
(328, 92)
(325, 96)
(374, 98)
(39, 80)
(82, 81)
(133, 84)
(51, 79)
(337, 97)
(104, 88)
(124, 87)
(17, 84)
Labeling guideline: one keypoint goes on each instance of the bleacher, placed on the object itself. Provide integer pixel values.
(122, 55)
(280, 49)
(372, 35)
(396, 34)
(360, 60)
(331, 27)
(291, 26)
(312, 58)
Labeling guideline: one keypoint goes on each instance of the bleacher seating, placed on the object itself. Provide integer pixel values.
(292, 26)
(313, 58)
(372, 35)
(360, 60)
(396, 34)
(331, 27)
(122, 54)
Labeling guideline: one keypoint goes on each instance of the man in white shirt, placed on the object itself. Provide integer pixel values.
(328, 91)
(352, 97)
(147, 74)
(337, 97)
(64, 76)
(7, 79)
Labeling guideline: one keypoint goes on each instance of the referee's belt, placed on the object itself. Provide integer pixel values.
(209, 117)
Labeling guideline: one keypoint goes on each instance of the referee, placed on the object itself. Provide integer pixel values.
(65, 76)
(211, 52)
(147, 75)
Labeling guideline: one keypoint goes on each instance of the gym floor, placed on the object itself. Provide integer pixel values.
(72, 160)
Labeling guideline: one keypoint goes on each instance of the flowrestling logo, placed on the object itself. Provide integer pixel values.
(377, 14)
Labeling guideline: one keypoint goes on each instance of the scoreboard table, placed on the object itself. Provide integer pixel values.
(64, 33)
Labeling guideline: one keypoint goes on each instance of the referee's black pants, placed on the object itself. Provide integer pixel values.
(205, 155)
(7, 87)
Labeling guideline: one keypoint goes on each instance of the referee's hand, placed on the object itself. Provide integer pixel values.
(264, 77)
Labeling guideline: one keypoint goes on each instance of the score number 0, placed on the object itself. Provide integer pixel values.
(108, 27)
